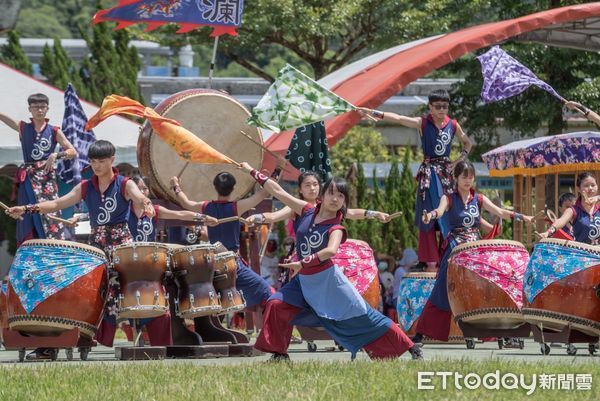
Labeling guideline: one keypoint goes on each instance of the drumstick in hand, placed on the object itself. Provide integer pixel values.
(394, 215)
(3, 206)
(64, 221)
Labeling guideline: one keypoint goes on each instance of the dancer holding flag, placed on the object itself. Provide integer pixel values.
(437, 130)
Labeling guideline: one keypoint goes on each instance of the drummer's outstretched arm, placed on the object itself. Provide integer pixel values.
(141, 204)
(243, 205)
(410, 122)
(275, 189)
(504, 213)
(315, 259)
(46, 207)
(182, 198)
(590, 114)
(9, 121)
(360, 214)
(272, 217)
(436, 213)
(185, 215)
(558, 223)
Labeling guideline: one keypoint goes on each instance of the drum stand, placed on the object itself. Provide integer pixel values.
(14, 340)
(471, 331)
(187, 343)
(139, 351)
(567, 336)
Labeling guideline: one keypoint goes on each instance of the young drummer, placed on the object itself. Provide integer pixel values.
(255, 289)
(584, 216)
(463, 208)
(37, 178)
(322, 287)
(107, 196)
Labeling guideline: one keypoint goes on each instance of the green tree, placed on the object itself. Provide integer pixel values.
(13, 55)
(323, 36)
(360, 143)
(406, 191)
(110, 68)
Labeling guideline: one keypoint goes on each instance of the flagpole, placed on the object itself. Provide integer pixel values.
(210, 75)
(212, 62)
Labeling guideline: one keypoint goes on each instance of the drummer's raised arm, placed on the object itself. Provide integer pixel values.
(504, 213)
(275, 189)
(243, 205)
(51, 206)
(141, 204)
(9, 121)
(182, 198)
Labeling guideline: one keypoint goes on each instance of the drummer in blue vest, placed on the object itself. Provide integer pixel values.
(255, 289)
(36, 178)
(584, 216)
(434, 178)
(143, 229)
(462, 208)
(107, 196)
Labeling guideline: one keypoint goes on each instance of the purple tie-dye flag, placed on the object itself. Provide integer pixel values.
(504, 77)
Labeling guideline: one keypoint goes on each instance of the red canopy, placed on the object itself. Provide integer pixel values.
(386, 73)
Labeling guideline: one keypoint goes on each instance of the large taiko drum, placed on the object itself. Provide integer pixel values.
(485, 283)
(56, 286)
(562, 286)
(193, 268)
(356, 259)
(224, 281)
(141, 267)
(217, 119)
(415, 289)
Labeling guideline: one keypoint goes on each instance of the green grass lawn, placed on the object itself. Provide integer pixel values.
(360, 380)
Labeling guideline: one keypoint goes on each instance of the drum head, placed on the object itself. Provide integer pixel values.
(217, 119)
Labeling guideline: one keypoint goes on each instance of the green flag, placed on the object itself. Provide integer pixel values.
(308, 150)
(294, 100)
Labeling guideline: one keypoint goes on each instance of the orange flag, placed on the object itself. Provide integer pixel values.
(187, 145)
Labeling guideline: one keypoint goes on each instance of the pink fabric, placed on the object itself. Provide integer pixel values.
(503, 265)
(356, 259)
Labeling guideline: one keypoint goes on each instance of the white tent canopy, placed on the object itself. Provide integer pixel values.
(16, 87)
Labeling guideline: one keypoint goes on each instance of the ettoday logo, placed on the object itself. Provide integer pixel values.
(507, 381)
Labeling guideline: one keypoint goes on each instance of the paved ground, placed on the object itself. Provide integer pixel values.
(325, 352)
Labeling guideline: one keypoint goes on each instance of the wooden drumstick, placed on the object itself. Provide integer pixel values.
(183, 169)
(394, 215)
(269, 151)
(228, 219)
(59, 219)
(3, 206)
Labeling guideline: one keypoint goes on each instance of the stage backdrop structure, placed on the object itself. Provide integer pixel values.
(536, 165)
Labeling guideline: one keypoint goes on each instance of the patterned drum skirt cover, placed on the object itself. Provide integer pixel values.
(56, 286)
(415, 289)
(485, 283)
(561, 286)
(356, 259)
